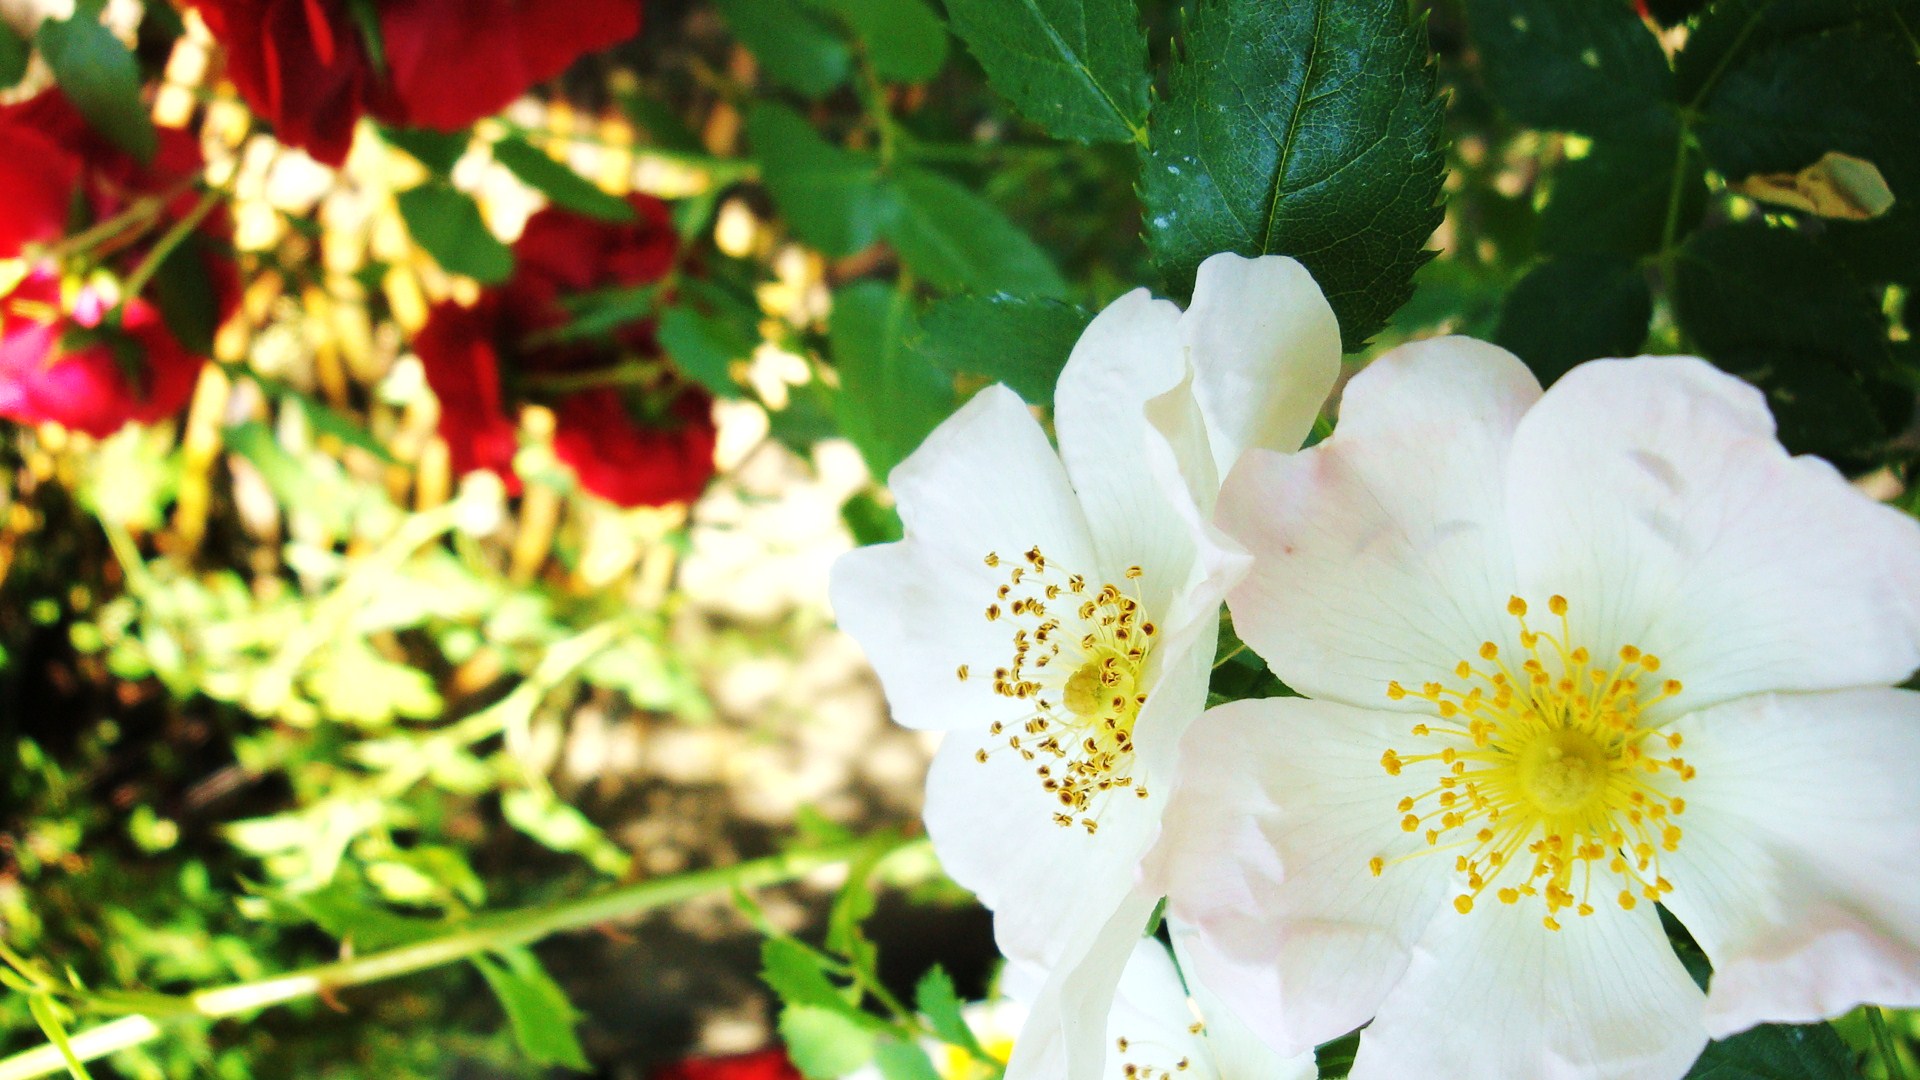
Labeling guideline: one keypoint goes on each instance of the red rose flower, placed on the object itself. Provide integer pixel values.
(65, 367)
(761, 1065)
(456, 350)
(304, 67)
(634, 463)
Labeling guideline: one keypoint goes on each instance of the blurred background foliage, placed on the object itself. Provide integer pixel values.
(290, 675)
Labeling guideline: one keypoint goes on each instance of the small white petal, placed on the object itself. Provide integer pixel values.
(1265, 348)
(1237, 1053)
(1065, 1036)
(1381, 554)
(1151, 1012)
(985, 481)
(1493, 995)
(1264, 853)
(1653, 495)
(1796, 871)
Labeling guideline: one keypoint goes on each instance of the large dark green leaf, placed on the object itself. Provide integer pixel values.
(1777, 1052)
(1748, 287)
(704, 347)
(833, 198)
(890, 397)
(1617, 198)
(795, 47)
(957, 240)
(100, 77)
(1574, 65)
(566, 188)
(437, 150)
(1573, 308)
(904, 39)
(1076, 67)
(447, 225)
(1308, 129)
(1021, 342)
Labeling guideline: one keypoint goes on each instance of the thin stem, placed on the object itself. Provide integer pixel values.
(480, 935)
(171, 239)
(1236, 651)
(1883, 1042)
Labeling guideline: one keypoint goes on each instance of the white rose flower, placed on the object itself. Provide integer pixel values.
(1569, 654)
(1057, 613)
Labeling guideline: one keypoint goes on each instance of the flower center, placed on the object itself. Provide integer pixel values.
(1080, 671)
(1547, 777)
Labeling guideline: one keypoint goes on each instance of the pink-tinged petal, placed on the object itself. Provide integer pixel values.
(1265, 847)
(1065, 1036)
(1493, 995)
(1652, 494)
(1796, 868)
(1265, 349)
(1230, 1044)
(986, 481)
(1381, 554)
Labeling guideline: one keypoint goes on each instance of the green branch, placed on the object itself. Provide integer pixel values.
(483, 934)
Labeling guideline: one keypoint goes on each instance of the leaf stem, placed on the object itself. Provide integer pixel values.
(171, 239)
(487, 933)
(1884, 1044)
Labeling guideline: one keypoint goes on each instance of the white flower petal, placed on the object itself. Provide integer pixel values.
(1237, 1053)
(1796, 869)
(1152, 1014)
(1493, 995)
(1127, 356)
(1265, 348)
(1382, 553)
(1264, 853)
(985, 481)
(1653, 495)
(1065, 1036)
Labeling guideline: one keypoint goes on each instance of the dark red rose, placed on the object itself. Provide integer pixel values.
(630, 462)
(463, 369)
(57, 364)
(561, 253)
(451, 62)
(761, 1065)
(300, 64)
(304, 66)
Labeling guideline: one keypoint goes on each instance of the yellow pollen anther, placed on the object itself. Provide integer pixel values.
(1516, 607)
(1463, 903)
(1556, 604)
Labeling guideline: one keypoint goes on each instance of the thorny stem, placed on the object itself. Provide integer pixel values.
(480, 935)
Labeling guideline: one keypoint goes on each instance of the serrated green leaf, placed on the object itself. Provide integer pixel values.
(1574, 65)
(447, 225)
(1616, 199)
(1078, 68)
(102, 80)
(795, 975)
(833, 198)
(825, 1044)
(1573, 308)
(437, 150)
(958, 240)
(937, 1000)
(904, 39)
(898, 1060)
(795, 47)
(542, 1017)
(1011, 339)
(1777, 1052)
(566, 188)
(890, 398)
(704, 348)
(14, 53)
(1303, 129)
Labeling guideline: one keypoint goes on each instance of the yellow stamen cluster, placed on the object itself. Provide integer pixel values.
(1547, 773)
(1078, 656)
(1132, 1071)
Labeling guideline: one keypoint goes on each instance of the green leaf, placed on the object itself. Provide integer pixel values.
(538, 813)
(795, 975)
(352, 683)
(566, 188)
(904, 39)
(959, 241)
(1777, 1052)
(704, 348)
(796, 48)
(1752, 287)
(182, 288)
(437, 150)
(538, 1009)
(447, 224)
(102, 80)
(936, 999)
(833, 198)
(1573, 308)
(1018, 341)
(14, 53)
(1574, 65)
(899, 1060)
(1076, 67)
(1306, 129)
(823, 1043)
(890, 398)
(1616, 199)
(869, 520)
